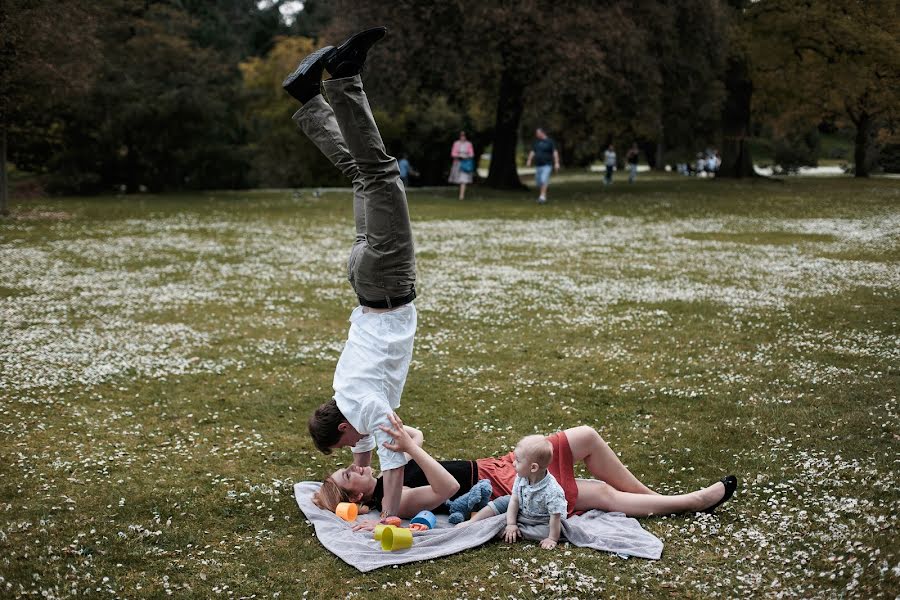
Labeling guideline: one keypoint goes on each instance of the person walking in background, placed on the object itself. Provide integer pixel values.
(609, 159)
(463, 167)
(406, 170)
(632, 159)
(545, 157)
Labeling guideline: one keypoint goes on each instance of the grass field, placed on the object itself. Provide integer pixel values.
(160, 355)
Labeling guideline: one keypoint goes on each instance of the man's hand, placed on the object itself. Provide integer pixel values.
(548, 544)
(512, 533)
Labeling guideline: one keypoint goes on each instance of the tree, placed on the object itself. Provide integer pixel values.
(835, 57)
(659, 83)
(736, 113)
(482, 55)
(417, 79)
(161, 111)
(48, 51)
(686, 41)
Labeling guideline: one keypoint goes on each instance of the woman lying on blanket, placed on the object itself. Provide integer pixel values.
(428, 482)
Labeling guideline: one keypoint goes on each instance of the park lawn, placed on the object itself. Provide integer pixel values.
(160, 356)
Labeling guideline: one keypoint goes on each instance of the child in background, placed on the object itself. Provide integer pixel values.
(535, 494)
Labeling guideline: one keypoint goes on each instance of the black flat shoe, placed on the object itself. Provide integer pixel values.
(304, 83)
(730, 484)
(348, 59)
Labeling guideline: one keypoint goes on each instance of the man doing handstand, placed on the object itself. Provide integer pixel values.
(372, 369)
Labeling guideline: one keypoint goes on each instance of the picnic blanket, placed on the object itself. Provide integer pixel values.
(610, 532)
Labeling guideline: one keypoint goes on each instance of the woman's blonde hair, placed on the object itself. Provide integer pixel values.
(331, 494)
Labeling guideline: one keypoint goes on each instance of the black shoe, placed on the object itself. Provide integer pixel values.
(305, 82)
(730, 484)
(348, 59)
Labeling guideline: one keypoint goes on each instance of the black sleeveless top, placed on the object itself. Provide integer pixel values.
(463, 471)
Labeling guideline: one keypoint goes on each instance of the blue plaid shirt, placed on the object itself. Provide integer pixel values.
(541, 500)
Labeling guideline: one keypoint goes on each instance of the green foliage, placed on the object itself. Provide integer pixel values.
(425, 133)
(282, 156)
(161, 110)
(155, 119)
(797, 149)
(829, 59)
(889, 158)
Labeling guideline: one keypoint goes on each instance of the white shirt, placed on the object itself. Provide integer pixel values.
(370, 375)
(541, 500)
(610, 157)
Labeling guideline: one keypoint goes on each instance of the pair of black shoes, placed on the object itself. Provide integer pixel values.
(346, 60)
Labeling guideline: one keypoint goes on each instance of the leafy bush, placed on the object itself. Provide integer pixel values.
(889, 158)
(797, 149)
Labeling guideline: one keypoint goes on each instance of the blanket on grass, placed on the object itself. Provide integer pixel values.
(610, 532)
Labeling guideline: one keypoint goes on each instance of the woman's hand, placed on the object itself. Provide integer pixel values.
(548, 544)
(368, 525)
(403, 442)
(512, 533)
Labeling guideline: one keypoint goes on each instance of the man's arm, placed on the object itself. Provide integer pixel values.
(530, 157)
(441, 486)
(362, 459)
(393, 487)
(556, 160)
(417, 436)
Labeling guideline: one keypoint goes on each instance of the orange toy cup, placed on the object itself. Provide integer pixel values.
(347, 511)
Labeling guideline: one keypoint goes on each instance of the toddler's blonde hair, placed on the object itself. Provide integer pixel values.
(536, 449)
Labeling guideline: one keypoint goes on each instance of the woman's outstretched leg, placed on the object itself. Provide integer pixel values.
(598, 495)
(587, 445)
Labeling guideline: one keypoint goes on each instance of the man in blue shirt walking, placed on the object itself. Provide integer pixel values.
(545, 157)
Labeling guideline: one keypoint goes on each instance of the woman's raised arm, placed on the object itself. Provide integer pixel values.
(441, 486)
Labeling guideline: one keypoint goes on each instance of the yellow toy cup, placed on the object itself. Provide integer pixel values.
(347, 511)
(395, 538)
(379, 529)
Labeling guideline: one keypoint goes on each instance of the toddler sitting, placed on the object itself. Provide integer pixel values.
(536, 493)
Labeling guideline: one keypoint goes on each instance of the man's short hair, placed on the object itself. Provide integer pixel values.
(323, 426)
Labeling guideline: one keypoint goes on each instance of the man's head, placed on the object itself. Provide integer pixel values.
(533, 453)
(539, 133)
(329, 428)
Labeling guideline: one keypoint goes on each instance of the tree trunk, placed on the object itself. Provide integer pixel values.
(4, 205)
(511, 101)
(736, 159)
(660, 149)
(861, 145)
